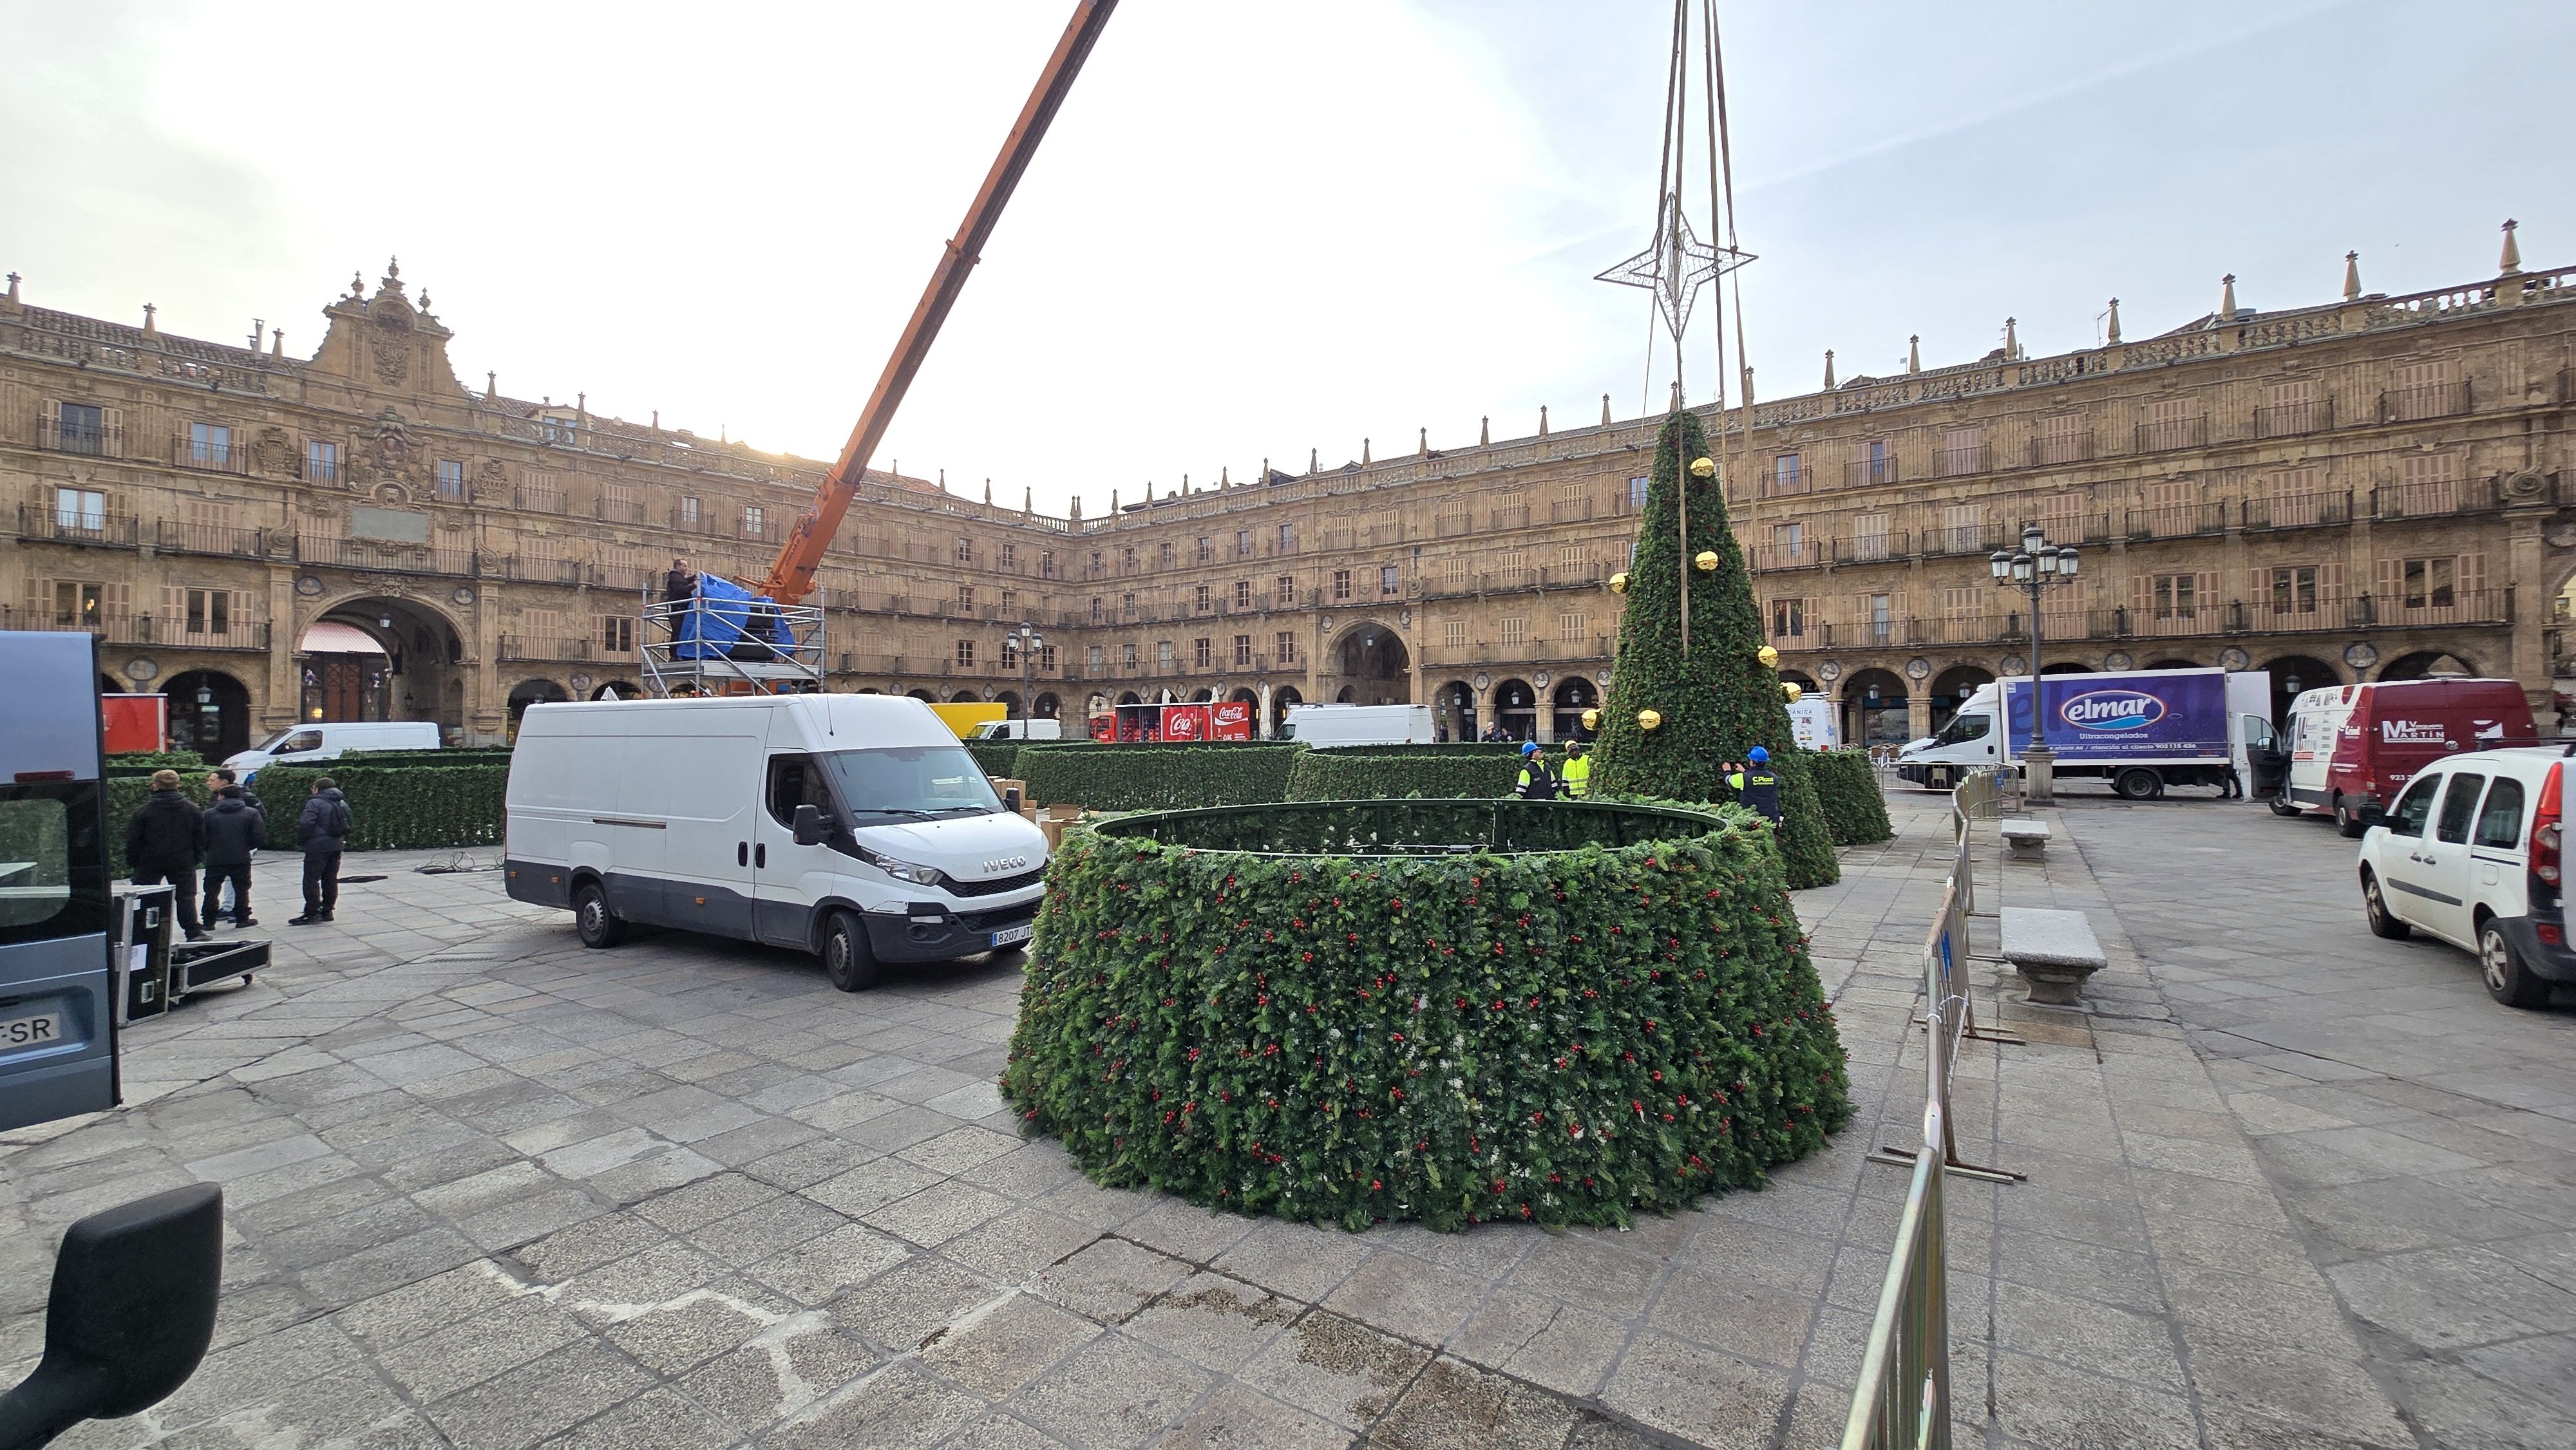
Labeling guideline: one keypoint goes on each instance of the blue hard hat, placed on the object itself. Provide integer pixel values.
(1529, 747)
(1757, 755)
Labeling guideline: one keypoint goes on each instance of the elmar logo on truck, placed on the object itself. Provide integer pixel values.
(2112, 710)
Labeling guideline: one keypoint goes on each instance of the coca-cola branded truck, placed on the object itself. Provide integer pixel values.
(2352, 748)
(2141, 730)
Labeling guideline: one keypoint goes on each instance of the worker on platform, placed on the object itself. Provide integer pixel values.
(1577, 773)
(1757, 786)
(1537, 782)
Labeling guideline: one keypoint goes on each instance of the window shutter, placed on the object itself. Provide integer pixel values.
(2390, 589)
(117, 600)
(2473, 576)
(113, 421)
(40, 603)
(50, 411)
(2204, 595)
(2330, 581)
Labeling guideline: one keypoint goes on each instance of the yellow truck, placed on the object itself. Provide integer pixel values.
(962, 719)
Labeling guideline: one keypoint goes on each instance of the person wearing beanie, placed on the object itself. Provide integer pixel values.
(163, 842)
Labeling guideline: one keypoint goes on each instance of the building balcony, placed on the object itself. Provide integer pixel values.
(2440, 400)
(2292, 419)
(541, 501)
(2061, 448)
(165, 629)
(229, 455)
(2175, 521)
(1864, 472)
(2298, 510)
(1874, 548)
(92, 440)
(169, 536)
(387, 558)
(70, 525)
(2173, 433)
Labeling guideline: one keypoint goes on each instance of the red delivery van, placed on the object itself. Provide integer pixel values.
(2354, 747)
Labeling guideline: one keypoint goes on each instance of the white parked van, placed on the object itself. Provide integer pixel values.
(1327, 726)
(853, 826)
(331, 739)
(1019, 730)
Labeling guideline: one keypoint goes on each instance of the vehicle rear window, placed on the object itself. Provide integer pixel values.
(2460, 807)
(2500, 823)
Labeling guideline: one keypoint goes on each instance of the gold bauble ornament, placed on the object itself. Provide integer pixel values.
(1702, 467)
(1790, 691)
(1649, 719)
(1769, 657)
(1591, 719)
(1707, 561)
(1619, 583)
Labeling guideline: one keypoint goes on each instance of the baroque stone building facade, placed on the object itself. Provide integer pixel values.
(2369, 488)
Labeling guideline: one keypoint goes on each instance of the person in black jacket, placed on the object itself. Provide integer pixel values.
(223, 778)
(163, 842)
(322, 830)
(232, 828)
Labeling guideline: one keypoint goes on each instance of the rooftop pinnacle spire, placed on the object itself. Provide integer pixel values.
(2509, 264)
(1605, 410)
(1542, 420)
(1422, 444)
(1829, 370)
(1484, 431)
(2352, 276)
(2012, 338)
(2114, 335)
(1914, 353)
(2227, 298)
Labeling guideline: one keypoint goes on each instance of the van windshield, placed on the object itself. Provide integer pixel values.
(1964, 727)
(914, 782)
(272, 742)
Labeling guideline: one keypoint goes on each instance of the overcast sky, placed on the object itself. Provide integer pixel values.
(1255, 229)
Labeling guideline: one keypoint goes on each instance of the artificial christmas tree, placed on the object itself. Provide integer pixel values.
(1719, 700)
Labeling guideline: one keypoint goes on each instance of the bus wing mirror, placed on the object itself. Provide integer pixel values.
(132, 1312)
(810, 828)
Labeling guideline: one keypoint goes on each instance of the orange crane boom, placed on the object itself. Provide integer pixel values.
(791, 576)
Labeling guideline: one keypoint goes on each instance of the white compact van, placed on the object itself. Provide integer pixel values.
(1019, 730)
(853, 826)
(1327, 726)
(331, 739)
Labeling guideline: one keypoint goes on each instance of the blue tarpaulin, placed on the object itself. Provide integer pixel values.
(730, 622)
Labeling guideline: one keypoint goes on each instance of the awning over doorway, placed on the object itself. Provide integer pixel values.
(330, 637)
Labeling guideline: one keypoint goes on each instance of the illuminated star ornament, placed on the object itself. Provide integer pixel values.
(1676, 266)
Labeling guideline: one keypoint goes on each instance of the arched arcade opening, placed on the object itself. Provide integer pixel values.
(209, 713)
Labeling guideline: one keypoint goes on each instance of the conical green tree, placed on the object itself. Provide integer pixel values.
(1721, 700)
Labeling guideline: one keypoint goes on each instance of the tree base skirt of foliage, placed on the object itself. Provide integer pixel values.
(1447, 1011)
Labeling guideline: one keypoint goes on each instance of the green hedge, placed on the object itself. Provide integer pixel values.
(467, 755)
(1507, 748)
(995, 757)
(1855, 811)
(1144, 777)
(1372, 773)
(144, 762)
(1566, 1035)
(395, 807)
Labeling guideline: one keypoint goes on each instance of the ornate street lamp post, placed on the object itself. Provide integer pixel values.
(2037, 565)
(1029, 641)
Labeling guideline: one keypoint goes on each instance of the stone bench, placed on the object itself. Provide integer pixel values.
(2054, 951)
(2027, 838)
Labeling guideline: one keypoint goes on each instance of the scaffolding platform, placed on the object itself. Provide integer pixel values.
(694, 647)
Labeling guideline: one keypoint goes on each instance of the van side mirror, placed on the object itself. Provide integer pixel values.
(810, 827)
(132, 1312)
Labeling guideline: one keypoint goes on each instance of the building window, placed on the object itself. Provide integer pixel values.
(1286, 591)
(2294, 590)
(965, 597)
(1127, 605)
(1287, 538)
(1243, 594)
(2431, 583)
(1283, 647)
(966, 653)
(617, 634)
(1453, 634)
(2177, 596)
(79, 511)
(1092, 659)
(210, 611)
(1127, 656)
(1127, 560)
(1878, 616)
(1873, 463)
(1095, 609)
(1572, 627)
(451, 479)
(1010, 652)
(82, 428)
(755, 522)
(1046, 657)
(1243, 543)
(1515, 568)
(78, 603)
(1010, 557)
(1515, 629)
(1788, 618)
(692, 513)
(1163, 555)
(1010, 602)
(2061, 439)
(1046, 563)
(1163, 656)
(1784, 473)
(1242, 651)
(1095, 564)
(1207, 548)
(1201, 600)
(1637, 493)
(1341, 585)
(1202, 652)
(1387, 587)
(210, 445)
(1788, 543)
(1963, 451)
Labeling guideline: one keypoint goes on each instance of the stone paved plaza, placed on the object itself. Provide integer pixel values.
(2289, 1185)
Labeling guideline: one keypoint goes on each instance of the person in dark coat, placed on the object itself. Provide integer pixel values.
(223, 778)
(163, 843)
(322, 830)
(232, 828)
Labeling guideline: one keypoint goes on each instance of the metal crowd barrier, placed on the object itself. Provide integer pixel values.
(1903, 1402)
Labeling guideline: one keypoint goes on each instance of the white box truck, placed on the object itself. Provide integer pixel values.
(2142, 730)
(1326, 726)
(852, 826)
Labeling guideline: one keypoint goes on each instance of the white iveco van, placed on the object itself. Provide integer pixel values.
(854, 826)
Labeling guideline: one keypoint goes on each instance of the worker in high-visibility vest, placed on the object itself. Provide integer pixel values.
(1537, 782)
(1757, 786)
(1577, 773)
